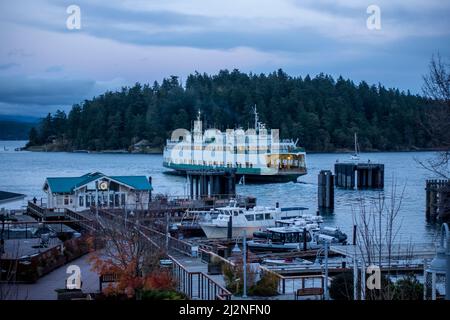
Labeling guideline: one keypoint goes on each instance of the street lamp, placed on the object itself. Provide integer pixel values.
(439, 268)
(244, 249)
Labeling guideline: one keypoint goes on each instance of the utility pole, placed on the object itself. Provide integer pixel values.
(446, 244)
(244, 245)
(355, 278)
(167, 232)
(325, 291)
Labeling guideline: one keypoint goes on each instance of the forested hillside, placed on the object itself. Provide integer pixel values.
(322, 112)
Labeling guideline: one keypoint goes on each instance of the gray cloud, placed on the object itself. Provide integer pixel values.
(42, 91)
(7, 66)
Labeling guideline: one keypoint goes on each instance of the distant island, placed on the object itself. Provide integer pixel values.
(322, 112)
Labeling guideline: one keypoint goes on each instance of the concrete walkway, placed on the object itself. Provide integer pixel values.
(44, 288)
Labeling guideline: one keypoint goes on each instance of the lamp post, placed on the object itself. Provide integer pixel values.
(439, 267)
(325, 291)
(445, 241)
(244, 248)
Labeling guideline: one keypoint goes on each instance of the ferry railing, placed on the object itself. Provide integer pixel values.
(197, 285)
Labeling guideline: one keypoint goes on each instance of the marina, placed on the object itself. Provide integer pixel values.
(203, 229)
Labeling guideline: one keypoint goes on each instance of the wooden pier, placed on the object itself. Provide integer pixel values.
(437, 200)
(362, 175)
(210, 183)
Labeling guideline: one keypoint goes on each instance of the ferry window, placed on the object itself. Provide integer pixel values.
(250, 217)
(236, 213)
(259, 216)
(268, 216)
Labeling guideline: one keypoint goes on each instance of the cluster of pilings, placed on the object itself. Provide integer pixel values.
(438, 200)
(211, 183)
(325, 191)
(366, 175)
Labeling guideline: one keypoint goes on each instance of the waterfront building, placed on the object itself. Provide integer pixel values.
(109, 192)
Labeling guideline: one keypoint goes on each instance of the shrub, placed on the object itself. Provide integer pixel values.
(267, 286)
(162, 295)
(408, 288)
(341, 287)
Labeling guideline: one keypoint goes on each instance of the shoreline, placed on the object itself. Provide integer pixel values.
(158, 151)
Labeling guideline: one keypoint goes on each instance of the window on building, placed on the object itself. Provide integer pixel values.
(122, 199)
(66, 200)
(88, 200)
(116, 200)
(81, 201)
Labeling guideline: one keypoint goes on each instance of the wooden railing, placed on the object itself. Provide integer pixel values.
(36, 210)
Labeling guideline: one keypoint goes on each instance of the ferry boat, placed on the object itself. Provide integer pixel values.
(250, 220)
(256, 155)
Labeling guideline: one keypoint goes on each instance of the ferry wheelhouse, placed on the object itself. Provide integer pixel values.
(257, 154)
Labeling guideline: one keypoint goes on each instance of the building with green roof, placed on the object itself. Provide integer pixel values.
(97, 189)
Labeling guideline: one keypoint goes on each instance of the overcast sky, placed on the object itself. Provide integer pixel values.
(45, 66)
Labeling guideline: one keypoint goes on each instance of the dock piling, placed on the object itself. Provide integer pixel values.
(325, 192)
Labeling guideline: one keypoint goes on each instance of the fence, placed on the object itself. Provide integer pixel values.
(296, 282)
(197, 285)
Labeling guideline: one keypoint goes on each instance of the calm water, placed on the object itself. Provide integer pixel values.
(25, 172)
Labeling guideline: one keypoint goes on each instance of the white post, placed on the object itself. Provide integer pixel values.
(425, 279)
(355, 278)
(96, 200)
(363, 281)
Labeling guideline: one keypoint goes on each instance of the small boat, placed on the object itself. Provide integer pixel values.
(356, 156)
(243, 219)
(292, 237)
(283, 239)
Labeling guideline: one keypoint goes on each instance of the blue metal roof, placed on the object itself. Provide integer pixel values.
(68, 184)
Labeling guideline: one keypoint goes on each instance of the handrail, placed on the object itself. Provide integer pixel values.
(186, 283)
